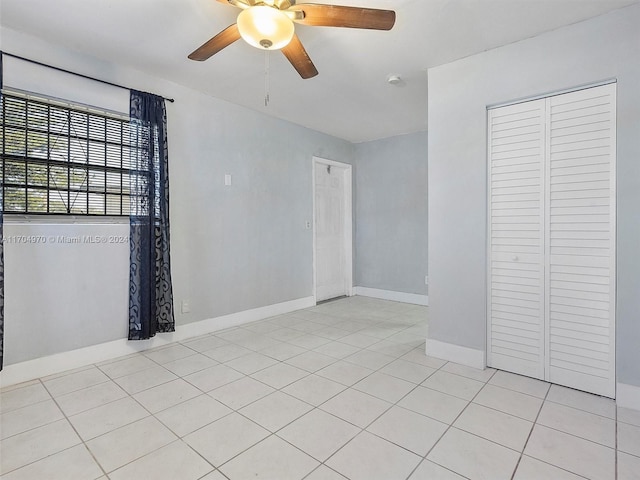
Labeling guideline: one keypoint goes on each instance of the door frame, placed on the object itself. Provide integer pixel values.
(613, 264)
(348, 220)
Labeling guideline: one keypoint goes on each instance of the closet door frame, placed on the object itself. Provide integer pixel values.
(545, 212)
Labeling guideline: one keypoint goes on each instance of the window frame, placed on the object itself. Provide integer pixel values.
(68, 164)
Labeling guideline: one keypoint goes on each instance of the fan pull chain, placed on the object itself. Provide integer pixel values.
(266, 78)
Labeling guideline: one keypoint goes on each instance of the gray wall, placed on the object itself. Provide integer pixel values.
(391, 214)
(233, 248)
(243, 246)
(63, 296)
(602, 48)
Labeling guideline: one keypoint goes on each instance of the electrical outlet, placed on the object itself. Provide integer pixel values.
(307, 225)
(426, 280)
(184, 306)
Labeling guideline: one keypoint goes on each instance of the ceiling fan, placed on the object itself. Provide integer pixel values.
(269, 25)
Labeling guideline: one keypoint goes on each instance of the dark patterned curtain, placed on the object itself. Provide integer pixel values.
(150, 291)
(1, 253)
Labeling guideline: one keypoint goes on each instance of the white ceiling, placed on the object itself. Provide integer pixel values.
(350, 98)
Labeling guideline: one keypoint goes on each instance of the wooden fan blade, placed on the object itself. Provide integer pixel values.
(299, 58)
(217, 43)
(339, 16)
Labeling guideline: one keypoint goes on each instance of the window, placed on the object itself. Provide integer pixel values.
(63, 159)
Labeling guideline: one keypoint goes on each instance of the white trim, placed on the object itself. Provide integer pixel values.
(240, 318)
(403, 297)
(348, 219)
(456, 353)
(63, 219)
(628, 396)
(313, 230)
(348, 225)
(62, 102)
(553, 93)
(60, 362)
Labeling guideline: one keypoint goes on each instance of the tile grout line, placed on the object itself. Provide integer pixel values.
(424, 457)
(270, 386)
(76, 431)
(130, 395)
(378, 370)
(361, 349)
(557, 430)
(317, 407)
(274, 434)
(362, 429)
(149, 414)
(394, 357)
(581, 409)
(469, 402)
(178, 437)
(535, 422)
(32, 428)
(280, 390)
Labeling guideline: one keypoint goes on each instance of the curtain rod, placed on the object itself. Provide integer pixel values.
(71, 73)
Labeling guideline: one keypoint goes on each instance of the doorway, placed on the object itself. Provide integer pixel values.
(332, 229)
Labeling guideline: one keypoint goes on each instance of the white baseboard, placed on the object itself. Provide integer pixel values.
(628, 396)
(60, 362)
(413, 298)
(456, 353)
(234, 319)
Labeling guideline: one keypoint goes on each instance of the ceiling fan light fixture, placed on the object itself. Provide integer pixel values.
(266, 28)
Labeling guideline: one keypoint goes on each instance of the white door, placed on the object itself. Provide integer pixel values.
(551, 270)
(581, 239)
(332, 230)
(516, 238)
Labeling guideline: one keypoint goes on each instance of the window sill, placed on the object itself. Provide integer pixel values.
(22, 219)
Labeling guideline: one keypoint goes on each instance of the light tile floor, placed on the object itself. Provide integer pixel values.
(341, 390)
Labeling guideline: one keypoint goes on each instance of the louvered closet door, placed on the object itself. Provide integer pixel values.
(516, 236)
(580, 250)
